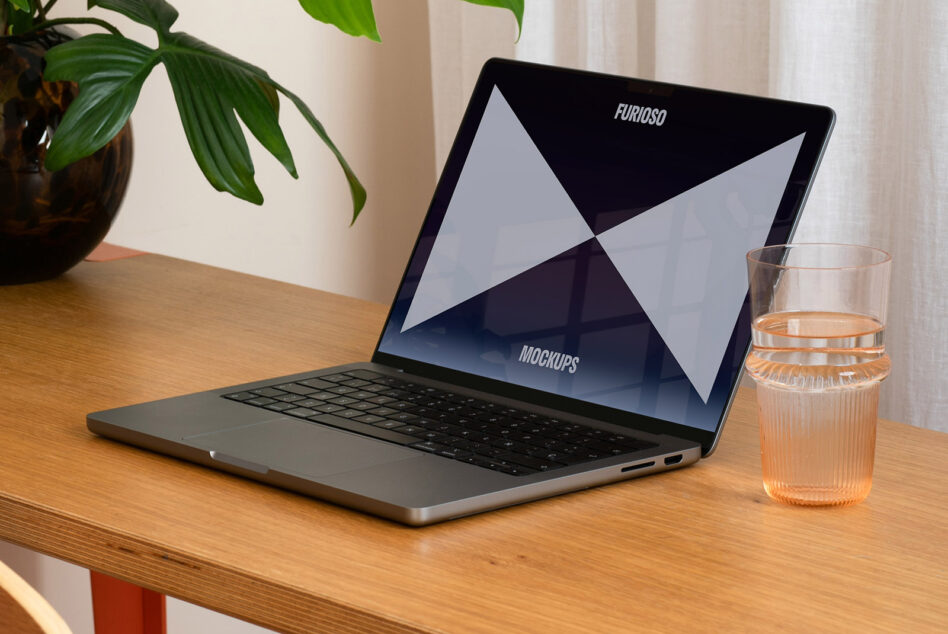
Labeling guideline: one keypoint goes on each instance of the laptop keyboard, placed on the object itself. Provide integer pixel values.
(479, 432)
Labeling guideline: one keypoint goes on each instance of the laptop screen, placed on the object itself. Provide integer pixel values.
(588, 235)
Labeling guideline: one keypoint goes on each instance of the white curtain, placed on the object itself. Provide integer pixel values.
(881, 65)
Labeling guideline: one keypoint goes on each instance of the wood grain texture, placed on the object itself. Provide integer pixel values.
(701, 548)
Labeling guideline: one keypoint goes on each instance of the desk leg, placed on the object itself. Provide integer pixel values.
(119, 607)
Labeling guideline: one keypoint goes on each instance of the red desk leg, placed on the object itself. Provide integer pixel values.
(119, 607)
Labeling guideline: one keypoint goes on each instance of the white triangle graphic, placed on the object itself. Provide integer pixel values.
(684, 259)
(508, 214)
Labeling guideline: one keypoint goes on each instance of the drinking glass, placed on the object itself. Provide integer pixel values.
(818, 314)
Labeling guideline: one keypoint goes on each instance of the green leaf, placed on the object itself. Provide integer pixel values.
(516, 6)
(355, 187)
(249, 90)
(22, 5)
(157, 14)
(20, 22)
(209, 85)
(110, 71)
(354, 17)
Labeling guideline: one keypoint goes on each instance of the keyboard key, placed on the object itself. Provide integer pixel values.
(361, 395)
(454, 452)
(389, 424)
(343, 400)
(279, 407)
(382, 411)
(322, 395)
(295, 388)
(427, 434)
(310, 402)
(381, 400)
(536, 464)
(371, 419)
(506, 467)
(335, 378)
(317, 384)
(527, 439)
(302, 412)
(267, 391)
(341, 389)
(260, 401)
(486, 450)
(355, 383)
(289, 398)
(349, 413)
(552, 456)
(589, 454)
(363, 405)
(428, 446)
(478, 460)
(403, 417)
(329, 408)
(240, 396)
(460, 443)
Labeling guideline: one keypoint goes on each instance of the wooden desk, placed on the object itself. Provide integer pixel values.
(701, 548)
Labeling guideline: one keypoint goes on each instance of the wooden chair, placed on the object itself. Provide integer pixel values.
(23, 610)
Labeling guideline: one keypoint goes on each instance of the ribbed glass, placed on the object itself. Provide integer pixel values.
(818, 446)
(818, 325)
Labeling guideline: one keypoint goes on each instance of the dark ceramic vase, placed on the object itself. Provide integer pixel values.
(49, 221)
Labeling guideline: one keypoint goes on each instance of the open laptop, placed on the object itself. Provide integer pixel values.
(574, 311)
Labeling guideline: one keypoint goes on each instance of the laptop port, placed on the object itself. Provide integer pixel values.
(673, 459)
(638, 466)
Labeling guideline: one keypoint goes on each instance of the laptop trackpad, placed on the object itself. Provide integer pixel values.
(290, 445)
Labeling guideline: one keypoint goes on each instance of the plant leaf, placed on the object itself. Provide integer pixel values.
(354, 17)
(249, 90)
(22, 5)
(157, 14)
(209, 85)
(20, 22)
(110, 71)
(515, 6)
(355, 187)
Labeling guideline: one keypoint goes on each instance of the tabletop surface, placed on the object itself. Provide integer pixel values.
(701, 548)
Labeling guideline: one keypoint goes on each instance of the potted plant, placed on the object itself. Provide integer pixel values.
(65, 147)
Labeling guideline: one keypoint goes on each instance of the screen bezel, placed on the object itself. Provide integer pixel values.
(821, 118)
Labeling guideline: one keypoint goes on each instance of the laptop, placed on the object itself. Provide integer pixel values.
(574, 312)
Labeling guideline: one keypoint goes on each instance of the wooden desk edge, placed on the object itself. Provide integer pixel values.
(219, 588)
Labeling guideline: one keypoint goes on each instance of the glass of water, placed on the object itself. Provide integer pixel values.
(818, 316)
